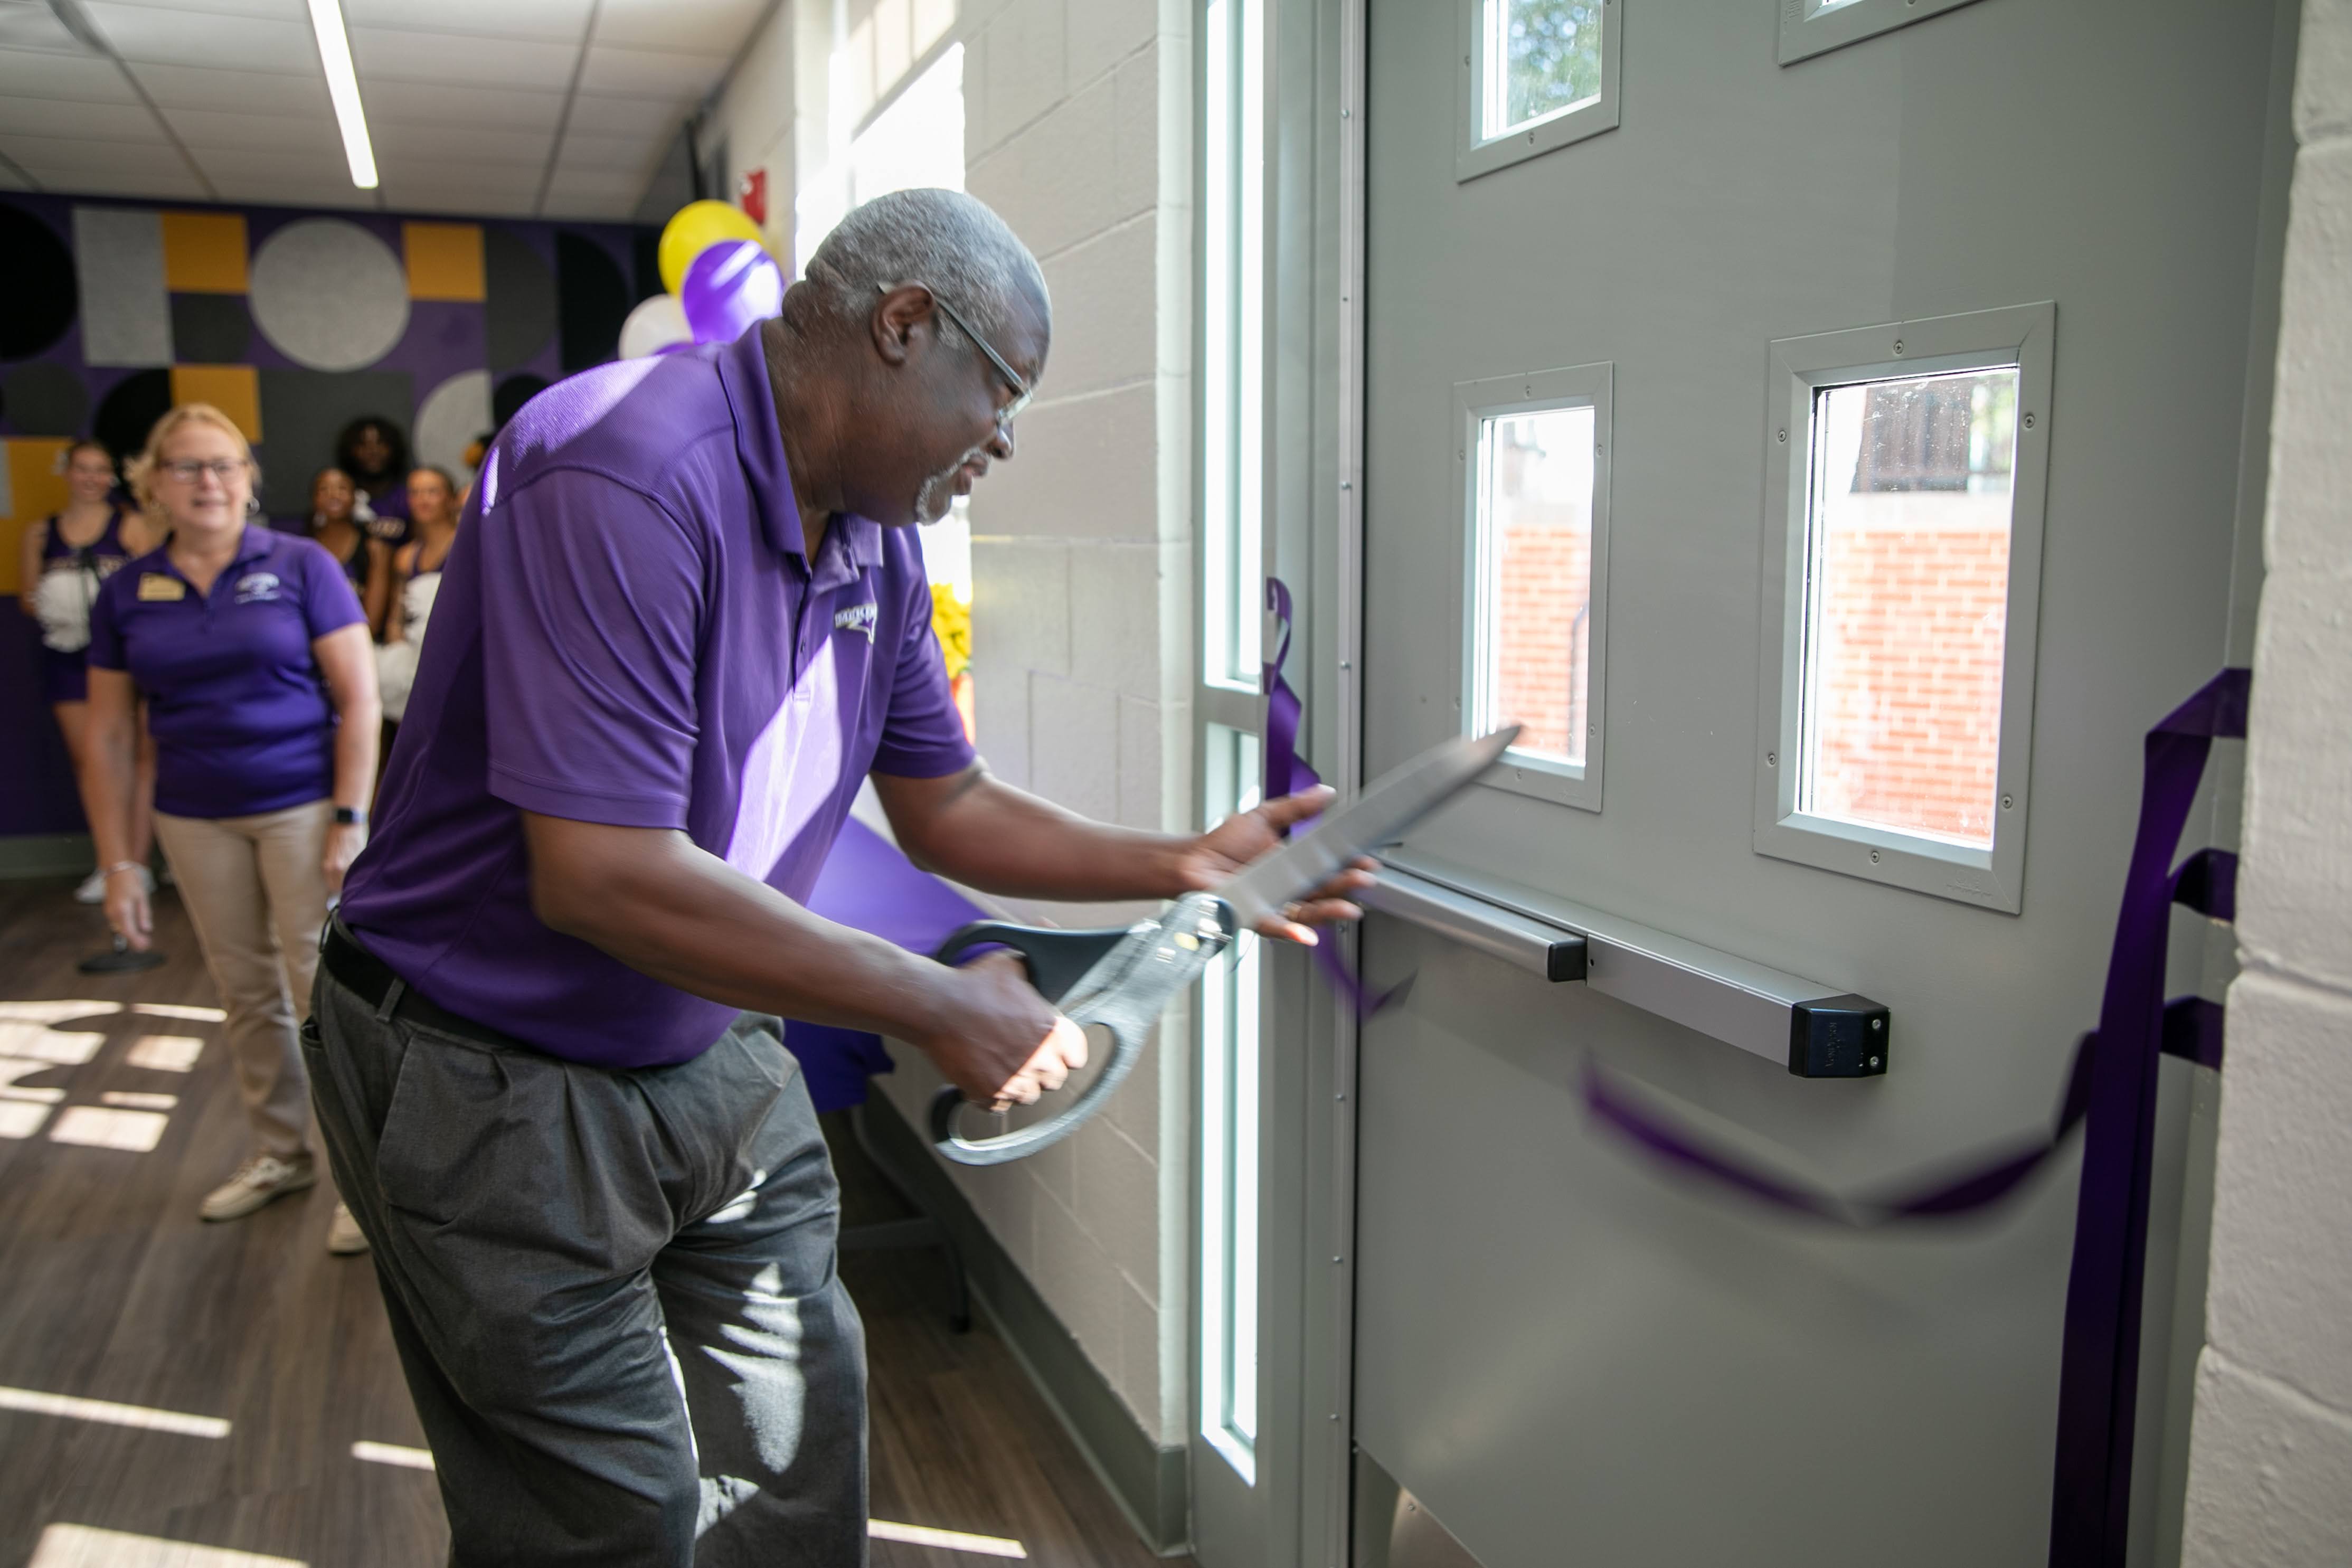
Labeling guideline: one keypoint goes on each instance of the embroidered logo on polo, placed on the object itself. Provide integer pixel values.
(256, 588)
(858, 620)
(160, 586)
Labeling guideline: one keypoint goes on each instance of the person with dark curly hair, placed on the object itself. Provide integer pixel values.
(374, 452)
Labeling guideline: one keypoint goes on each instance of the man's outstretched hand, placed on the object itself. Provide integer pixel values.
(1243, 837)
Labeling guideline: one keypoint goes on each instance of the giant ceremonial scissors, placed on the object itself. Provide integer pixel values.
(1120, 979)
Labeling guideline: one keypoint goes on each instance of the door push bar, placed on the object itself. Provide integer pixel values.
(1813, 1029)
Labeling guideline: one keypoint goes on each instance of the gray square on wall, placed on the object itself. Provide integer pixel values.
(302, 412)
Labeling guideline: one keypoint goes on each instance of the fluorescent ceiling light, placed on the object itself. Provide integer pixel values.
(343, 86)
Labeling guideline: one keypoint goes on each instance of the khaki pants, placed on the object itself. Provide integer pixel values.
(257, 899)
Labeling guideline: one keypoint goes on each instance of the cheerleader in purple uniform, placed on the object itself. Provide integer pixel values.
(66, 558)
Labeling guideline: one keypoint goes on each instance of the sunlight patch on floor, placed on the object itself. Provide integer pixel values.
(46, 1013)
(165, 1053)
(21, 1120)
(136, 1101)
(102, 1127)
(949, 1539)
(392, 1454)
(177, 1010)
(58, 1048)
(34, 1402)
(81, 1546)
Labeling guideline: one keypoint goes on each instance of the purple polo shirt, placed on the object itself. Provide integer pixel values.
(240, 714)
(630, 631)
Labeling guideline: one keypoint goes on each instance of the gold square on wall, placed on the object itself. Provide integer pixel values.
(204, 253)
(233, 389)
(444, 260)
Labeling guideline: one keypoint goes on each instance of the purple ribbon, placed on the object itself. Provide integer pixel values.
(1287, 773)
(2110, 1091)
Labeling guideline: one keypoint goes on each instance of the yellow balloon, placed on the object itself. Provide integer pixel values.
(694, 228)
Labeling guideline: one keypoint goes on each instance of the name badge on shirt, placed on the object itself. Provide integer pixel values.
(860, 619)
(160, 586)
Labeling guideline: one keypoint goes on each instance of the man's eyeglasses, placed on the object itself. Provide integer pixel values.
(1022, 390)
(188, 470)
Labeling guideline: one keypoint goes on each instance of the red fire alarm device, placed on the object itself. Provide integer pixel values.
(751, 195)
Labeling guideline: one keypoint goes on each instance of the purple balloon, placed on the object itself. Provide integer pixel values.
(729, 286)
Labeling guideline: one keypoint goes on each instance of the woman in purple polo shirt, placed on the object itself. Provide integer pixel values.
(254, 657)
(67, 558)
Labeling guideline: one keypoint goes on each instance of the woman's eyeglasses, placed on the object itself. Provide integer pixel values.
(188, 470)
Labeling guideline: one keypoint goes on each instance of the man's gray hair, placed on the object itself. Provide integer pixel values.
(943, 239)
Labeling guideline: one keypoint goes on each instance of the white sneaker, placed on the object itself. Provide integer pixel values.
(92, 889)
(345, 1237)
(258, 1182)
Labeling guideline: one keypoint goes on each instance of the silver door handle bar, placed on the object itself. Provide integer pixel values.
(1813, 1029)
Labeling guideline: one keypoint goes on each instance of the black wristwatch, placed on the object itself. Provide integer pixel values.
(350, 816)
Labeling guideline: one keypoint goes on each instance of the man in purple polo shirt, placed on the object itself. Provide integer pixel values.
(683, 622)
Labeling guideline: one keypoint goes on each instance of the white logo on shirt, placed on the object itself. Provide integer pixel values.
(860, 619)
(256, 587)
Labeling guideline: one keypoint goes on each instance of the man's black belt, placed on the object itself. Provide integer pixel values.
(371, 979)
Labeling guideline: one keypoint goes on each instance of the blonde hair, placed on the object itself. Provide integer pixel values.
(140, 470)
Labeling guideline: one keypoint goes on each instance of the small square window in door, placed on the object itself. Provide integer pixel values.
(1907, 594)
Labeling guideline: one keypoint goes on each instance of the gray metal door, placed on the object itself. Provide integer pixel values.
(1999, 264)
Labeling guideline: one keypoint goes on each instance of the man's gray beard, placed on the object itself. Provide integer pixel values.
(924, 516)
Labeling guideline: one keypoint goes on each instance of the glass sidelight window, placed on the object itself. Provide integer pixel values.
(1534, 453)
(1229, 1149)
(1536, 74)
(1903, 569)
(1232, 314)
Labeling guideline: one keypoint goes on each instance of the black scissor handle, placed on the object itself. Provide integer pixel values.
(1058, 959)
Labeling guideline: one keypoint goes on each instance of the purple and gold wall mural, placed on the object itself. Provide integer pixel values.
(294, 323)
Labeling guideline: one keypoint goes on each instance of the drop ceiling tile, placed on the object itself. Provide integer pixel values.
(84, 80)
(431, 196)
(693, 26)
(42, 154)
(294, 191)
(598, 183)
(311, 165)
(31, 24)
(590, 209)
(632, 154)
(236, 91)
(429, 144)
(495, 64)
(657, 120)
(214, 128)
(284, 10)
(159, 182)
(651, 73)
(557, 21)
(431, 103)
(202, 39)
(95, 122)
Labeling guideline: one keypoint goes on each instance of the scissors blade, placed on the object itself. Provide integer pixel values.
(1387, 806)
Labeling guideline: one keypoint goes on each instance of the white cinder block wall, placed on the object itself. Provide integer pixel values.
(1079, 132)
(2270, 1481)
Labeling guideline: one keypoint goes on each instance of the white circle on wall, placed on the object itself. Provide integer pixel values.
(658, 322)
(328, 294)
(451, 415)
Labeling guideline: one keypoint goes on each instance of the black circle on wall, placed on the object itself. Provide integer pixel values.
(45, 398)
(37, 282)
(512, 394)
(127, 413)
(592, 301)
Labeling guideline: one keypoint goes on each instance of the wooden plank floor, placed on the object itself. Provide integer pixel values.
(112, 1290)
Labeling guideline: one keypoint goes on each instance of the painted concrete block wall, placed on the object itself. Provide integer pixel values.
(1079, 132)
(2271, 1448)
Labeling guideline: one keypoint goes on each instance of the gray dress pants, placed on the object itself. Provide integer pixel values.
(614, 1293)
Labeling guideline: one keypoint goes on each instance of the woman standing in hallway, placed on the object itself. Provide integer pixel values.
(67, 559)
(367, 560)
(253, 654)
(433, 506)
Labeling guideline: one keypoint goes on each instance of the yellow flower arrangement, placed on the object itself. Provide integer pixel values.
(951, 624)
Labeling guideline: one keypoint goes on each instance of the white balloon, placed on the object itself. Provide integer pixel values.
(658, 322)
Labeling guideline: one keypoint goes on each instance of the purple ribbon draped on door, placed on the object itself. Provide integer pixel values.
(2110, 1093)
